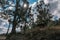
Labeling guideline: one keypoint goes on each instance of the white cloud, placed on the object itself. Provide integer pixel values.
(4, 26)
(54, 7)
(46, 1)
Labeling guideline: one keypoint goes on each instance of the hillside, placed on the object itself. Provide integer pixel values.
(52, 33)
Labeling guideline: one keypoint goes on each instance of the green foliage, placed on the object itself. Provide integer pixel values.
(44, 16)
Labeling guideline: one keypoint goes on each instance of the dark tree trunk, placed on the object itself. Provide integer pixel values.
(14, 25)
(15, 19)
(8, 29)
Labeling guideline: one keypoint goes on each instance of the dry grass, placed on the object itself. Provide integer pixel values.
(2, 37)
(49, 30)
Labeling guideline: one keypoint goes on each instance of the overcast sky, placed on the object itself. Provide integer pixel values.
(54, 7)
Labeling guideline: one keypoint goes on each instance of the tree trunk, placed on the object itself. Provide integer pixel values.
(8, 29)
(14, 25)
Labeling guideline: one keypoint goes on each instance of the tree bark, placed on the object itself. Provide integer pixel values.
(14, 25)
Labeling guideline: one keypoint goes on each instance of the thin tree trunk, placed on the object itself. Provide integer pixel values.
(14, 25)
(8, 29)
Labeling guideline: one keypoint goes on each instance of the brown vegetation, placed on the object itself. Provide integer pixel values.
(50, 33)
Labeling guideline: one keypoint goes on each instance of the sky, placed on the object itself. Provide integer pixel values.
(32, 1)
(4, 23)
(54, 10)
